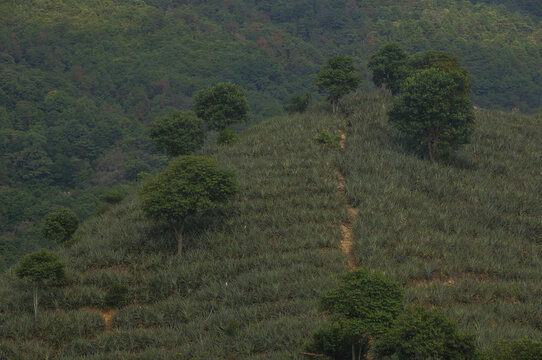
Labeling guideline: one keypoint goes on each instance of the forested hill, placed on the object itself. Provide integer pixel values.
(80, 80)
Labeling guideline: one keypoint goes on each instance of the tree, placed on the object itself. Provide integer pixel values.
(360, 309)
(41, 267)
(59, 225)
(190, 185)
(222, 105)
(389, 66)
(178, 133)
(425, 334)
(438, 60)
(434, 112)
(298, 103)
(338, 77)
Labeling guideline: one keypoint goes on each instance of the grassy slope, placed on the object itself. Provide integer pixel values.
(248, 283)
(467, 237)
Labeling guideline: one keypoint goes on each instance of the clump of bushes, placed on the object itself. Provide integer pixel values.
(59, 226)
(117, 295)
(328, 140)
(298, 103)
(227, 136)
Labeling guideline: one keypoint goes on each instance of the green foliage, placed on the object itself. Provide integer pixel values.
(178, 133)
(74, 110)
(226, 136)
(247, 287)
(434, 112)
(190, 185)
(117, 295)
(424, 334)
(389, 66)
(334, 340)
(40, 267)
(439, 60)
(59, 225)
(112, 197)
(338, 77)
(361, 308)
(327, 139)
(298, 103)
(518, 349)
(453, 235)
(222, 105)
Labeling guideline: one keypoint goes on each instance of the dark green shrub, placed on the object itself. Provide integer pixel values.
(59, 225)
(117, 295)
(517, 349)
(112, 197)
(425, 334)
(298, 103)
(178, 133)
(327, 139)
(227, 136)
(361, 309)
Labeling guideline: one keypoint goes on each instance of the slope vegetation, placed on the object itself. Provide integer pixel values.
(81, 80)
(247, 286)
(467, 236)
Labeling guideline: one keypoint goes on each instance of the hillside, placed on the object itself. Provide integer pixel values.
(465, 237)
(248, 283)
(81, 80)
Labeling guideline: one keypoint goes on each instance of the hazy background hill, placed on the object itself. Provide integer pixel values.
(80, 80)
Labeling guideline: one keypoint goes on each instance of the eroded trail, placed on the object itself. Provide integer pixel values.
(107, 315)
(347, 229)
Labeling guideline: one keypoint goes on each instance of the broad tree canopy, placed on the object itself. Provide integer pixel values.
(435, 112)
(222, 105)
(389, 66)
(59, 225)
(178, 133)
(190, 185)
(338, 77)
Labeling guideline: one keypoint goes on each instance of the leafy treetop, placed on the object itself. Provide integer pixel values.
(338, 77)
(435, 112)
(190, 184)
(388, 65)
(41, 266)
(178, 133)
(425, 334)
(368, 299)
(59, 225)
(222, 105)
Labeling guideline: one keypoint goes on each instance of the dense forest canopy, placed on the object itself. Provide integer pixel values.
(81, 80)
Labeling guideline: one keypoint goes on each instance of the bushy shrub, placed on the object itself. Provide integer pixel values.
(227, 136)
(327, 139)
(298, 103)
(117, 295)
(112, 196)
(518, 349)
(59, 226)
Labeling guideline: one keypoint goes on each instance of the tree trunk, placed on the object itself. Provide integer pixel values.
(35, 302)
(353, 351)
(179, 233)
(431, 152)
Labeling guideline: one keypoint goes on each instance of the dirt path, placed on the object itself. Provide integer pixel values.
(347, 229)
(106, 315)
